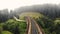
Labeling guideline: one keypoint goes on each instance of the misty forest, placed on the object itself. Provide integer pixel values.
(47, 17)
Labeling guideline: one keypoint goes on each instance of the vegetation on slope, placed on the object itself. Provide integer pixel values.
(49, 26)
(13, 26)
(31, 14)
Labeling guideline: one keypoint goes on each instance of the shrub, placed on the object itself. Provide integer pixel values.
(6, 32)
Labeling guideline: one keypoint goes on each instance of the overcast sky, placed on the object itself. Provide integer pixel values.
(12, 4)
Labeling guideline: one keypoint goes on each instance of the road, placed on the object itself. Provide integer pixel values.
(34, 27)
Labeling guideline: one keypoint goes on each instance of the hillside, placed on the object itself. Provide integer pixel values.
(31, 14)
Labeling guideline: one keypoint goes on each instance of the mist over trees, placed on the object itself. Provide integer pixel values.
(50, 10)
(3, 15)
(49, 25)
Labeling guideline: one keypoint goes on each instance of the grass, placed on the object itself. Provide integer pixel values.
(31, 14)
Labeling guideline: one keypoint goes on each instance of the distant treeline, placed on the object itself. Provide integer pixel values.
(50, 10)
(5, 15)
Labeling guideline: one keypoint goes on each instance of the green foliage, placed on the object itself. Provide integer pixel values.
(6, 32)
(1, 28)
(50, 26)
(46, 31)
(22, 27)
(54, 32)
(57, 21)
(40, 22)
(14, 26)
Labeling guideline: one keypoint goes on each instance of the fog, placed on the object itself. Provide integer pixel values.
(50, 10)
(13, 4)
